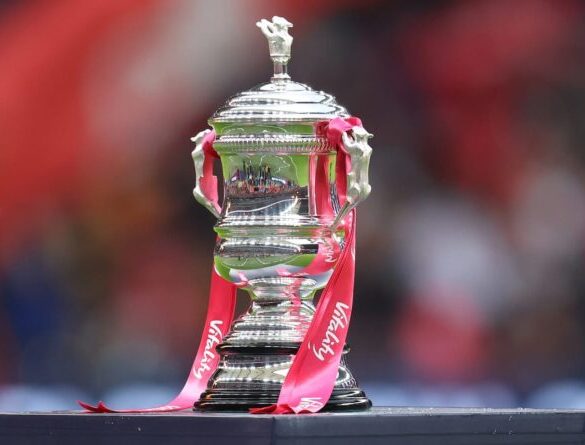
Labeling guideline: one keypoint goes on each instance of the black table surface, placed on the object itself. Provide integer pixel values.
(402, 426)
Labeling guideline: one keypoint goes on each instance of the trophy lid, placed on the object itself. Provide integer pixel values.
(280, 100)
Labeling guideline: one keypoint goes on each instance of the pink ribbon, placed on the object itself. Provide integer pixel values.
(311, 378)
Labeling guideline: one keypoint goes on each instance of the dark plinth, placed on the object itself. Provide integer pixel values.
(404, 426)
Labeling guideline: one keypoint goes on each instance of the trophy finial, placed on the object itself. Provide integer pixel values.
(279, 44)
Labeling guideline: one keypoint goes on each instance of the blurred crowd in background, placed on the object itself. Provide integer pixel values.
(470, 287)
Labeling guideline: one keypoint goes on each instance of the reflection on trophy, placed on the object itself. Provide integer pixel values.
(280, 228)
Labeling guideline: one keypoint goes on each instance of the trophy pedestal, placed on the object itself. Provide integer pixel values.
(257, 354)
(252, 392)
(341, 400)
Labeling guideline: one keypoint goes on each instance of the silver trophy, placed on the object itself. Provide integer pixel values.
(270, 226)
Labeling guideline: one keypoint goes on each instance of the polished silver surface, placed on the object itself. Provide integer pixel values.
(253, 113)
(283, 101)
(358, 183)
(277, 229)
(274, 222)
(279, 44)
(198, 158)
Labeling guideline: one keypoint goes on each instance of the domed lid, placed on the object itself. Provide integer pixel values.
(281, 99)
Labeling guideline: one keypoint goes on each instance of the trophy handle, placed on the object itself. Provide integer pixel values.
(358, 185)
(205, 191)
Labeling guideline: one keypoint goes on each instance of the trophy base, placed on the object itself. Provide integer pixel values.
(255, 358)
(252, 378)
(225, 400)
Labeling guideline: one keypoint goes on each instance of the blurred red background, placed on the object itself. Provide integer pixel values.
(470, 282)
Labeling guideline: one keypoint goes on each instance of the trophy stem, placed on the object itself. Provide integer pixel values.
(280, 70)
(258, 352)
(279, 316)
